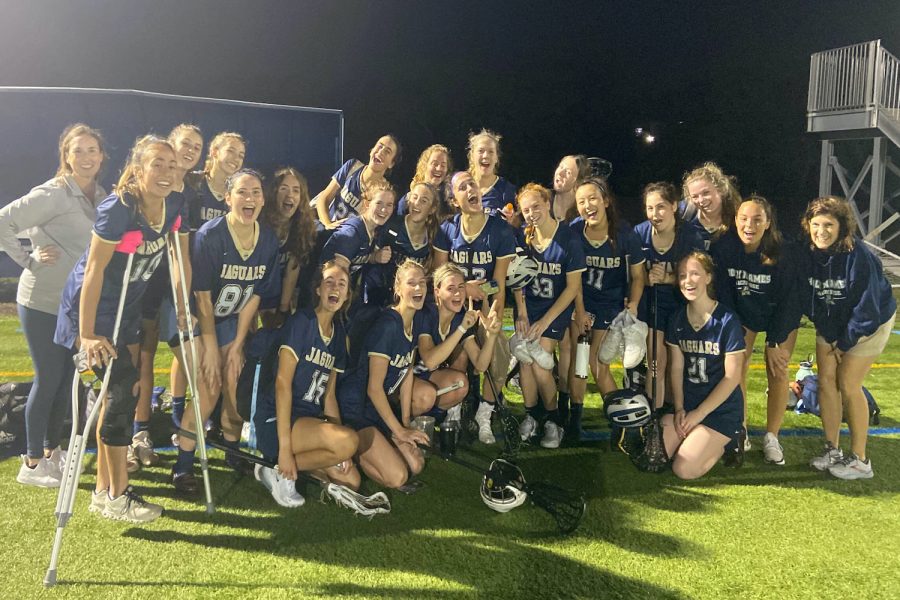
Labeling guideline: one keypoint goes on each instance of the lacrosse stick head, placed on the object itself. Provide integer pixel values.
(130, 242)
(566, 507)
(503, 486)
(366, 506)
(653, 458)
(511, 439)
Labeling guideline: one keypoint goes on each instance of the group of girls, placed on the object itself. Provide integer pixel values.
(408, 299)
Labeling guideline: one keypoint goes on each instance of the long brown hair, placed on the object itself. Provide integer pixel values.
(302, 229)
(839, 209)
(65, 140)
(214, 146)
(612, 211)
(128, 183)
(770, 245)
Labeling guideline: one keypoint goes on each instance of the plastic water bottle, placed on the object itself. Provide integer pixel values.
(582, 356)
(805, 369)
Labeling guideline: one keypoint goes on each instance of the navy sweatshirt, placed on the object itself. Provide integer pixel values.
(848, 296)
(765, 297)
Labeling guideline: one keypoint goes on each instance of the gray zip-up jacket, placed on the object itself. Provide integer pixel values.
(55, 213)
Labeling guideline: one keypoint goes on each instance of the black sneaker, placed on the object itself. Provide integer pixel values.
(239, 466)
(185, 483)
(734, 450)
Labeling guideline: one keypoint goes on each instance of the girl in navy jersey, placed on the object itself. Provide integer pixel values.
(225, 157)
(159, 313)
(664, 241)
(375, 395)
(757, 278)
(483, 246)
(545, 313)
(343, 196)
(143, 202)
(613, 279)
(447, 342)
(290, 217)
(57, 217)
(434, 168)
(300, 426)
(570, 172)
(484, 162)
(235, 264)
(853, 309)
(715, 200)
(706, 345)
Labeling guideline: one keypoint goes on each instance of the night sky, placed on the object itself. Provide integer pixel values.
(712, 80)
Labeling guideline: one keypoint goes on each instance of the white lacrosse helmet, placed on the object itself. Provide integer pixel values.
(627, 408)
(522, 271)
(503, 486)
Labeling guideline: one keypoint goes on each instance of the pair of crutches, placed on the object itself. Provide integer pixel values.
(65, 501)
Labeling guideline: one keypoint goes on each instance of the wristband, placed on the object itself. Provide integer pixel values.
(462, 330)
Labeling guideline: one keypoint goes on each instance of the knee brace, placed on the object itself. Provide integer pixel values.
(116, 428)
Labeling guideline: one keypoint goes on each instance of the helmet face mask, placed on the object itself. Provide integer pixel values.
(503, 486)
(627, 408)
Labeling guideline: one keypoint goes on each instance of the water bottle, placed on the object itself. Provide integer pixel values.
(582, 356)
(805, 369)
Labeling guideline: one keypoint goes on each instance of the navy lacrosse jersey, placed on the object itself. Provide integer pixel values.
(386, 339)
(765, 296)
(500, 194)
(686, 241)
(444, 196)
(317, 356)
(605, 281)
(562, 255)
(427, 323)
(352, 241)
(477, 254)
(203, 205)
(349, 196)
(379, 278)
(704, 359)
(116, 216)
(273, 298)
(232, 276)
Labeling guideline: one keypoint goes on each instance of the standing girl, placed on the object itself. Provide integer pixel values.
(375, 395)
(664, 243)
(613, 279)
(57, 217)
(434, 168)
(706, 343)
(143, 202)
(758, 280)
(348, 185)
(570, 172)
(854, 310)
(225, 158)
(546, 311)
(235, 263)
(715, 200)
(484, 163)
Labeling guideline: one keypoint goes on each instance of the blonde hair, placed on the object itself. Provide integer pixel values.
(474, 138)
(216, 143)
(68, 136)
(532, 188)
(407, 265)
(128, 183)
(446, 271)
(422, 164)
(724, 184)
(708, 265)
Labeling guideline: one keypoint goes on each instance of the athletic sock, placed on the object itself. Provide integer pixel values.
(231, 459)
(177, 410)
(563, 405)
(185, 461)
(139, 426)
(575, 412)
(553, 415)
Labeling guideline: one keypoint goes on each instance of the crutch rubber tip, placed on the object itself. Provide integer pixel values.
(50, 578)
(210, 509)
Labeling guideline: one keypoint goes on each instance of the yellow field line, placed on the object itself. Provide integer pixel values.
(166, 371)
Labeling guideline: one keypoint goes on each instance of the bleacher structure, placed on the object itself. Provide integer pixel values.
(854, 108)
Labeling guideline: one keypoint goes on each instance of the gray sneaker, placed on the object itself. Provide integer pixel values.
(142, 448)
(527, 428)
(852, 468)
(773, 453)
(830, 456)
(553, 435)
(131, 507)
(98, 501)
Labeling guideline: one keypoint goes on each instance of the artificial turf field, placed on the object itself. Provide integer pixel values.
(756, 532)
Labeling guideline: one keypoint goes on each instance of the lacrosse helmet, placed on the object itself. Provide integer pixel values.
(627, 408)
(522, 271)
(503, 486)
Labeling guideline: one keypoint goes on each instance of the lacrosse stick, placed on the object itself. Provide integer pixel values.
(367, 506)
(653, 458)
(190, 366)
(511, 440)
(65, 501)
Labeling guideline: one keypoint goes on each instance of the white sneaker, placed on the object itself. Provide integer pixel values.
(284, 491)
(635, 338)
(142, 448)
(553, 435)
(57, 462)
(483, 418)
(612, 342)
(98, 501)
(454, 413)
(42, 475)
(830, 456)
(132, 464)
(527, 428)
(518, 349)
(773, 453)
(747, 445)
(543, 358)
(131, 507)
(852, 468)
